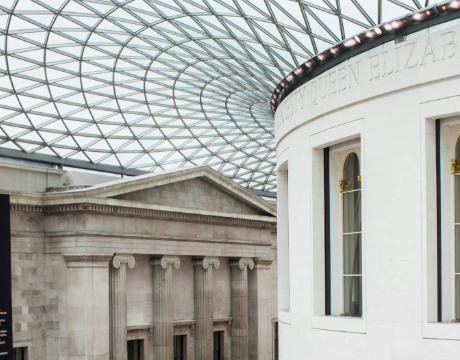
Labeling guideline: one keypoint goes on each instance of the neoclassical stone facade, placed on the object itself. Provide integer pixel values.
(182, 253)
(369, 214)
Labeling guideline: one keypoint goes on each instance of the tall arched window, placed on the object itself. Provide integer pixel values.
(456, 172)
(350, 187)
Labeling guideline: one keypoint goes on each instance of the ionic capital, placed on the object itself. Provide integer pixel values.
(206, 261)
(164, 261)
(241, 263)
(119, 259)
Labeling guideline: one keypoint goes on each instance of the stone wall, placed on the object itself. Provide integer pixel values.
(29, 293)
(222, 294)
(182, 290)
(139, 289)
(31, 179)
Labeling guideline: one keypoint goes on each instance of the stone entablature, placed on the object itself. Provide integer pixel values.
(123, 208)
(155, 214)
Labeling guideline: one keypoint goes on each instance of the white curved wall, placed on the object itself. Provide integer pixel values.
(387, 100)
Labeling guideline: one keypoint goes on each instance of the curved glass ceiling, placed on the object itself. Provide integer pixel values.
(153, 85)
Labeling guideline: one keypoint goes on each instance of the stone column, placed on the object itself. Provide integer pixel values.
(239, 290)
(260, 320)
(118, 315)
(88, 306)
(163, 307)
(204, 307)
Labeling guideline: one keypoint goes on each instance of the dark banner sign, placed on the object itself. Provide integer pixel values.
(6, 316)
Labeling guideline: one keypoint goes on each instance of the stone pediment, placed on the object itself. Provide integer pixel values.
(198, 188)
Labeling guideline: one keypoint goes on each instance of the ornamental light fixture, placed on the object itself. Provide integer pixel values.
(396, 24)
(298, 71)
(372, 33)
(449, 6)
(352, 42)
(422, 15)
(366, 36)
(323, 56)
(337, 49)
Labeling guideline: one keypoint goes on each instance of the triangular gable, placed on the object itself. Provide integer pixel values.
(147, 189)
(195, 193)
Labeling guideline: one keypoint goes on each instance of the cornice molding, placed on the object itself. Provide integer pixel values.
(26, 208)
(134, 330)
(157, 214)
(225, 321)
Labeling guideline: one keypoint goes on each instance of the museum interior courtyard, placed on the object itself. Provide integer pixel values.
(229, 180)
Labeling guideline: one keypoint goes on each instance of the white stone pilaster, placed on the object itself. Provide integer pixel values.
(163, 306)
(88, 305)
(118, 313)
(204, 306)
(239, 291)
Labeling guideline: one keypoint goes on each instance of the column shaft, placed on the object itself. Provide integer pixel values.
(163, 307)
(239, 290)
(118, 312)
(204, 307)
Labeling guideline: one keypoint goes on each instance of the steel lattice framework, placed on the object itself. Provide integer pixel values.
(153, 85)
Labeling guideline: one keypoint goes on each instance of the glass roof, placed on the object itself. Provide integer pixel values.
(154, 85)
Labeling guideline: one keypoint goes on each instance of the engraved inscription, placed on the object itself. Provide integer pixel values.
(424, 51)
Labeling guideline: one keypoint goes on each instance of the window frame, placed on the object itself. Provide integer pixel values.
(141, 347)
(275, 331)
(348, 135)
(184, 345)
(223, 325)
(343, 157)
(447, 110)
(455, 136)
(25, 351)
